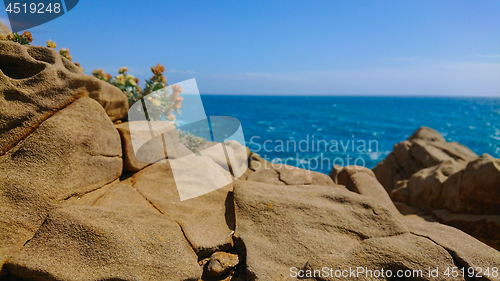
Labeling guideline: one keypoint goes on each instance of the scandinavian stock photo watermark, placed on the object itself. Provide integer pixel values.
(327, 153)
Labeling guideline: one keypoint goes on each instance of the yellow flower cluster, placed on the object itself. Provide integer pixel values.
(158, 73)
(65, 53)
(122, 70)
(28, 36)
(51, 44)
(120, 79)
(167, 104)
(130, 86)
(124, 78)
(158, 69)
(177, 90)
(23, 39)
(99, 73)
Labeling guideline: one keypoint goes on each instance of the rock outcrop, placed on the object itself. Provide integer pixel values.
(366, 258)
(479, 189)
(466, 251)
(120, 236)
(424, 149)
(474, 189)
(286, 229)
(424, 189)
(69, 211)
(462, 194)
(279, 227)
(485, 228)
(73, 152)
(36, 82)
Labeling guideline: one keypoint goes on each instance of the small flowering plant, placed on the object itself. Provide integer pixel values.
(165, 101)
(162, 101)
(100, 74)
(51, 44)
(24, 39)
(123, 81)
(157, 82)
(65, 53)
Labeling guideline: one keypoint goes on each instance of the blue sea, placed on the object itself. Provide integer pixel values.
(315, 132)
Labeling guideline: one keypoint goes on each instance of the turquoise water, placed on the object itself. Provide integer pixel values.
(313, 132)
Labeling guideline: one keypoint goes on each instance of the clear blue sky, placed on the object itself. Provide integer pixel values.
(441, 48)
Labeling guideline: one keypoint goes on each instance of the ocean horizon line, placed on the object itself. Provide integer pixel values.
(353, 96)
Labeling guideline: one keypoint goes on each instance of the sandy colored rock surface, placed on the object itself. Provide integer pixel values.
(345, 173)
(281, 174)
(450, 194)
(291, 175)
(321, 179)
(424, 189)
(130, 162)
(479, 190)
(120, 237)
(237, 158)
(465, 249)
(283, 226)
(288, 175)
(149, 149)
(406, 252)
(35, 82)
(75, 151)
(408, 210)
(217, 154)
(475, 189)
(485, 228)
(362, 181)
(266, 176)
(334, 172)
(230, 155)
(256, 162)
(198, 175)
(207, 220)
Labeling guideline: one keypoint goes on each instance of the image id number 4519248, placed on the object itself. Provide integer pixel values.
(33, 8)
